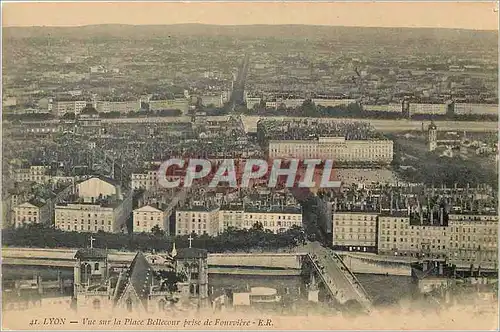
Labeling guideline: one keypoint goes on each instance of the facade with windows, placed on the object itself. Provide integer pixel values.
(337, 149)
(468, 239)
(328, 102)
(147, 180)
(275, 219)
(147, 217)
(197, 219)
(35, 173)
(355, 231)
(123, 107)
(253, 102)
(169, 104)
(31, 212)
(473, 239)
(61, 107)
(231, 217)
(425, 108)
(88, 217)
(397, 236)
(99, 205)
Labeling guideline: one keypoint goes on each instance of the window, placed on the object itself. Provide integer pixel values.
(96, 304)
(96, 267)
(128, 304)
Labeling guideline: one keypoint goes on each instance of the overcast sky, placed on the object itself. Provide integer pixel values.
(464, 15)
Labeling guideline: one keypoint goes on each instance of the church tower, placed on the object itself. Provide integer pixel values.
(91, 267)
(193, 263)
(432, 137)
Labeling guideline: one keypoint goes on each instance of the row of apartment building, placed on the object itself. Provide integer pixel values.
(337, 149)
(92, 205)
(413, 107)
(214, 219)
(464, 238)
(253, 101)
(22, 206)
(60, 107)
(435, 108)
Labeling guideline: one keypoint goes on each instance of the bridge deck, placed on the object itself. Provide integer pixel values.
(341, 282)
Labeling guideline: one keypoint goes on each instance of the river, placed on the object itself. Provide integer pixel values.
(396, 287)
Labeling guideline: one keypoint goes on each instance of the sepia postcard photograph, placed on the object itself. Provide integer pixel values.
(249, 165)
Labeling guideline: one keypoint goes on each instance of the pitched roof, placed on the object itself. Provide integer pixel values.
(141, 276)
(27, 205)
(102, 178)
(187, 253)
(91, 253)
(148, 208)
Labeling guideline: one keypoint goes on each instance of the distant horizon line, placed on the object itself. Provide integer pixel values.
(243, 25)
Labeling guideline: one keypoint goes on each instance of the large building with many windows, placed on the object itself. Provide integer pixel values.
(61, 107)
(426, 108)
(147, 217)
(32, 212)
(215, 100)
(122, 107)
(169, 104)
(147, 180)
(277, 219)
(214, 220)
(98, 205)
(197, 219)
(473, 238)
(331, 102)
(397, 236)
(337, 149)
(231, 215)
(33, 173)
(344, 142)
(355, 231)
(88, 217)
(461, 239)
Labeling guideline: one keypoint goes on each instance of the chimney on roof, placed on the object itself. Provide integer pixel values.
(441, 216)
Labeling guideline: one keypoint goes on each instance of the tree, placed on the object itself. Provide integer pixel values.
(232, 239)
(309, 109)
(157, 231)
(257, 226)
(69, 116)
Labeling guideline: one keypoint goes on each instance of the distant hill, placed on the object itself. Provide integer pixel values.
(401, 35)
